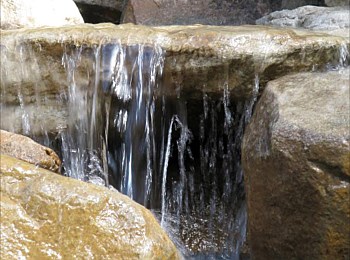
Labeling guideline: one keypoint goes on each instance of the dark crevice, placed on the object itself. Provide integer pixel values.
(334, 170)
(99, 14)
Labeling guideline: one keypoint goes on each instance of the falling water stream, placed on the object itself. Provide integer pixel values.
(176, 154)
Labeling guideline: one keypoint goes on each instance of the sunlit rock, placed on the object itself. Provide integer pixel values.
(197, 58)
(45, 215)
(26, 149)
(335, 20)
(296, 163)
(36, 13)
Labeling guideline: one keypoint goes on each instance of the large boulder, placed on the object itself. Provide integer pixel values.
(48, 216)
(297, 168)
(196, 59)
(335, 20)
(24, 148)
(210, 12)
(36, 13)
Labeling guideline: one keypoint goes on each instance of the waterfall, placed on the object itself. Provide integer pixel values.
(126, 127)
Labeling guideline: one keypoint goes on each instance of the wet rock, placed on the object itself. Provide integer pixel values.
(296, 163)
(337, 2)
(99, 11)
(311, 17)
(22, 13)
(24, 148)
(45, 215)
(197, 58)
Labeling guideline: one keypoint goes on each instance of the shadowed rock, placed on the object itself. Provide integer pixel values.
(296, 162)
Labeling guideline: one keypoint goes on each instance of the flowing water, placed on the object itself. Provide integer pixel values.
(124, 126)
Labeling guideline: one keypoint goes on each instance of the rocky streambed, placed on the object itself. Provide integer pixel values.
(290, 150)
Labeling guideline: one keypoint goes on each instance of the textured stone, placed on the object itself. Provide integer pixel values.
(212, 12)
(335, 20)
(197, 58)
(296, 162)
(287, 4)
(337, 2)
(209, 12)
(26, 149)
(36, 13)
(48, 216)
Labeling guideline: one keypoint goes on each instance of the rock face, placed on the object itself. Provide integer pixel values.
(195, 58)
(99, 11)
(296, 161)
(22, 13)
(287, 4)
(310, 17)
(210, 12)
(337, 2)
(45, 215)
(26, 149)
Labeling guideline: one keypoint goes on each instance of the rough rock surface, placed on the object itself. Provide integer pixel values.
(196, 58)
(337, 2)
(36, 13)
(48, 216)
(311, 17)
(210, 12)
(296, 161)
(287, 4)
(24, 148)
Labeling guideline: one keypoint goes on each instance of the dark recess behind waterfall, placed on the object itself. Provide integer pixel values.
(250, 9)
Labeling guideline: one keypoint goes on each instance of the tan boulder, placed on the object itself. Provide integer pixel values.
(197, 58)
(296, 163)
(48, 216)
(24, 148)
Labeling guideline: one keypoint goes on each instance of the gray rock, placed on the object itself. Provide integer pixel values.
(337, 2)
(310, 17)
(210, 12)
(287, 4)
(182, 12)
(22, 13)
(297, 168)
